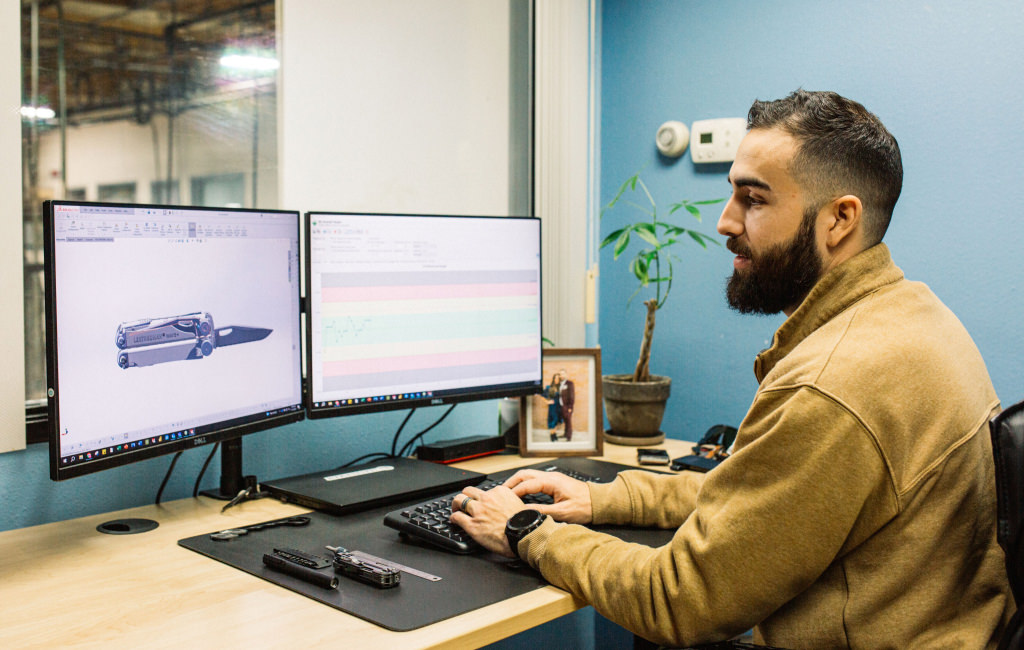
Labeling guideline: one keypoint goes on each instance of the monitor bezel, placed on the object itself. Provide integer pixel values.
(462, 395)
(208, 434)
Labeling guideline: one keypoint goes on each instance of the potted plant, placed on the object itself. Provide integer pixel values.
(635, 403)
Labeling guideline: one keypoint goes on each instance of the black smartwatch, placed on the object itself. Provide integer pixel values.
(520, 525)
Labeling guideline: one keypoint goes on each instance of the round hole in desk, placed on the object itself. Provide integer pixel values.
(127, 526)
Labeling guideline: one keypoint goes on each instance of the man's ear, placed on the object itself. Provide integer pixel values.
(844, 221)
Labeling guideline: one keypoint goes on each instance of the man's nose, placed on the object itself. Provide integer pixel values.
(730, 222)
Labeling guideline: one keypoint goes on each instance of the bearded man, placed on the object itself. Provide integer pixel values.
(858, 507)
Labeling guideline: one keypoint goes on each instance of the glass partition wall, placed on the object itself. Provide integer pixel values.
(176, 101)
(158, 101)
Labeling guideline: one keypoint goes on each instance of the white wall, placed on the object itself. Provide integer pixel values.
(395, 105)
(403, 106)
(12, 333)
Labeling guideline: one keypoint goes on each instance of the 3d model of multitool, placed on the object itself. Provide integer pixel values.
(177, 338)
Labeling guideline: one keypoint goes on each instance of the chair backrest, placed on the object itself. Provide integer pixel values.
(1007, 431)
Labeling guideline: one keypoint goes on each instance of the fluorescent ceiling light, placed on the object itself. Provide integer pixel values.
(249, 62)
(37, 112)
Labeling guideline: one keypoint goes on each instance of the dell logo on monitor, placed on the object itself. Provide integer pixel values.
(436, 402)
(201, 440)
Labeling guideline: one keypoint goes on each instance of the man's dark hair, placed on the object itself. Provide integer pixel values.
(844, 149)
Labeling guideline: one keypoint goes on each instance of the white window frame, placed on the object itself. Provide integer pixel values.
(12, 256)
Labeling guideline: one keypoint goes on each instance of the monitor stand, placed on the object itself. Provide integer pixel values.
(232, 482)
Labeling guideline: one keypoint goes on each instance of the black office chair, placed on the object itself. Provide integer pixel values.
(1007, 431)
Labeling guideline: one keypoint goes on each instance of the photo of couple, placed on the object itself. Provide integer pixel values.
(561, 398)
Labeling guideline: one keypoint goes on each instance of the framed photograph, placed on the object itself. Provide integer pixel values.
(566, 419)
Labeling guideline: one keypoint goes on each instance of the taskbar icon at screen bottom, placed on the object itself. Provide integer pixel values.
(395, 397)
(125, 447)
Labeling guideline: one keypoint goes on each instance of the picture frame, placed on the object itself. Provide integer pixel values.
(550, 427)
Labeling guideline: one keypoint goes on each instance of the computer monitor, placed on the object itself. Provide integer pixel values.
(416, 310)
(168, 327)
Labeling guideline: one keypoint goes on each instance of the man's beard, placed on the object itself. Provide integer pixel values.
(778, 278)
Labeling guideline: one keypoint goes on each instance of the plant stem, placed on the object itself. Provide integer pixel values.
(657, 287)
(643, 365)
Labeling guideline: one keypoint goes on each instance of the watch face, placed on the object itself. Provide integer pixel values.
(523, 518)
(520, 525)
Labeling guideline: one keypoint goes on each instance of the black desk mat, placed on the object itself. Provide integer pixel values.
(467, 582)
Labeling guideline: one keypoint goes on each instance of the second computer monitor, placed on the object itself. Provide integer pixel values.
(415, 310)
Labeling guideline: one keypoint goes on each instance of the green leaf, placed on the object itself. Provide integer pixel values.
(612, 237)
(704, 237)
(647, 258)
(643, 186)
(648, 236)
(691, 206)
(629, 184)
(697, 237)
(643, 271)
(621, 244)
(640, 270)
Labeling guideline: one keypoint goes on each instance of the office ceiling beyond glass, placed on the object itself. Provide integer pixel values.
(131, 59)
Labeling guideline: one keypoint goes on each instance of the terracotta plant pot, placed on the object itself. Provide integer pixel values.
(635, 409)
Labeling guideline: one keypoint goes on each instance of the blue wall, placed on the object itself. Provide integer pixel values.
(944, 76)
(30, 498)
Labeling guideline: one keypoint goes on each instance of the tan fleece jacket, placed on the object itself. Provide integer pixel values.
(857, 509)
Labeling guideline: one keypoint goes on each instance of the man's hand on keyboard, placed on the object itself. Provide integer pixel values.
(486, 514)
(571, 496)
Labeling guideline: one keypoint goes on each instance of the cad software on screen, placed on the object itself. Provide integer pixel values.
(170, 321)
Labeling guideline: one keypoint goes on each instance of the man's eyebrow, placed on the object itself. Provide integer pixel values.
(750, 182)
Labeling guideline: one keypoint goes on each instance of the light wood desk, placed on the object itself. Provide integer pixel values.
(67, 585)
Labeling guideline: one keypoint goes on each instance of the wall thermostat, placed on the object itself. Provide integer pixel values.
(716, 141)
(672, 138)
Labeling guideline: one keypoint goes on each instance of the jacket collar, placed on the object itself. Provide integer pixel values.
(837, 290)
